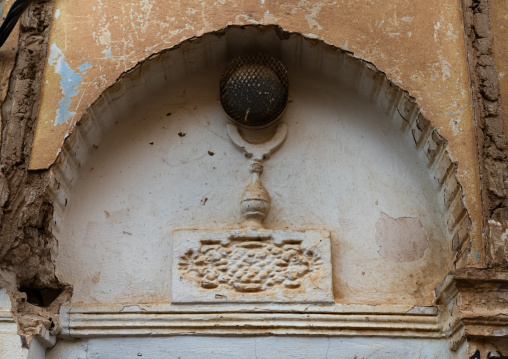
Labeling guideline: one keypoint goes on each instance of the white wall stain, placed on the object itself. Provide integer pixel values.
(105, 36)
(269, 18)
(143, 17)
(57, 13)
(107, 53)
(437, 26)
(311, 18)
(455, 123)
(445, 68)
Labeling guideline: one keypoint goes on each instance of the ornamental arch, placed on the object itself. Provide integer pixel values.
(360, 161)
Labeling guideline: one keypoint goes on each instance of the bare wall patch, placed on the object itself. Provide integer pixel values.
(400, 239)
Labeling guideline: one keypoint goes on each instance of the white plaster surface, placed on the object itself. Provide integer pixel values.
(344, 163)
(251, 347)
(10, 342)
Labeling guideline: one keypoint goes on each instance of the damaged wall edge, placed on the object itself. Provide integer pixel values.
(491, 134)
(27, 247)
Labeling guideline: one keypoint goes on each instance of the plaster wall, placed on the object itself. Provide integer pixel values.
(419, 45)
(258, 347)
(10, 342)
(165, 162)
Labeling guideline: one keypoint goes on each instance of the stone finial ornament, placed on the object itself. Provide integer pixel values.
(255, 200)
(252, 263)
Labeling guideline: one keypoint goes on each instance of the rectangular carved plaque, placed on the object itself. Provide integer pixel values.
(251, 266)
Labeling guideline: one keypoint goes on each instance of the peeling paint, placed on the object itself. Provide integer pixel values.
(107, 54)
(84, 66)
(454, 123)
(69, 82)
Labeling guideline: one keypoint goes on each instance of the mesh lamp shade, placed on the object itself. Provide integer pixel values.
(254, 90)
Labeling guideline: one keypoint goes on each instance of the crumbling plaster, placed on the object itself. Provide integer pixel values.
(419, 45)
(499, 29)
(7, 53)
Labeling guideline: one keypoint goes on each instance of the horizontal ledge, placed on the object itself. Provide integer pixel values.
(80, 333)
(78, 322)
(336, 309)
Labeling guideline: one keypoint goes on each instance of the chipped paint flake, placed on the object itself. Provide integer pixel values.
(455, 123)
(84, 66)
(107, 54)
(311, 18)
(445, 69)
(69, 82)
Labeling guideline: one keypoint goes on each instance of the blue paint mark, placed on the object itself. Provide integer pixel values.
(107, 53)
(477, 255)
(83, 67)
(69, 82)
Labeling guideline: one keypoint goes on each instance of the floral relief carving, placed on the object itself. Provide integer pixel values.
(250, 266)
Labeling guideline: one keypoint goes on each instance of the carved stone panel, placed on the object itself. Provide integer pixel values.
(251, 265)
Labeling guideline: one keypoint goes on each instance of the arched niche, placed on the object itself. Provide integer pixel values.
(360, 160)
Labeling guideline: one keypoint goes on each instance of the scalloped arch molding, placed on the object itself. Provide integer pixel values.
(215, 49)
(156, 139)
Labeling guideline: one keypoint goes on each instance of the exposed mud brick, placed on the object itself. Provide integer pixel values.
(491, 135)
(497, 177)
(27, 245)
(497, 250)
(491, 108)
(485, 60)
(483, 46)
(481, 25)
